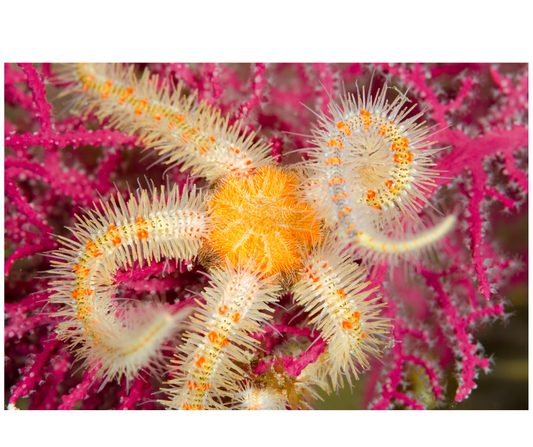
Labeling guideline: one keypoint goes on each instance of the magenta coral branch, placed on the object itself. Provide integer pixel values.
(399, 363)
(514, 94)
(325, 87)
(461, 339)
(26, 304)
(129, 401)
(39, 96)
(33, 374)
(80, 392)
(156, 268)
(69, 182)
(80, 137)
(476, 230)
(474, 151)
(19, 253)
(506, 201)
(36, 243)
(466, 85)
(310, 356)
(13, 191)
(107, 166)
(516, 174)
(257, 85)
(28, 324)
(430, 370)
(14, 95)
(182, 72)
(489, 310)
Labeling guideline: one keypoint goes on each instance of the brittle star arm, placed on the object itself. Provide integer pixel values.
(236, 305)
(372, 170)
(182, 131)
(123, 338)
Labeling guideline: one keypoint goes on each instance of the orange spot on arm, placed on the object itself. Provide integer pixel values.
(212, 336)
(142, 104)
(390, 185)
(344, 128)
(346, 325)
(142, 234)
(344, 211)
(200, 362)
(334, 161)
(339, 196)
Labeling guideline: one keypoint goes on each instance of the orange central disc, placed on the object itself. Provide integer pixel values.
(260, 218)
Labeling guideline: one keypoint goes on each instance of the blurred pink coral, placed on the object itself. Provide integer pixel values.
(56, 163)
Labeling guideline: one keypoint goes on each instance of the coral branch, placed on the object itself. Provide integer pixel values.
(39, 96)
(80, 392)
(32, 374)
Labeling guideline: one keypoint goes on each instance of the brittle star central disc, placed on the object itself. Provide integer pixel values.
(261, 218)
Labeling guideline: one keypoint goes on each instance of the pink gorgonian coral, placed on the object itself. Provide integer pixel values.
(410, 332)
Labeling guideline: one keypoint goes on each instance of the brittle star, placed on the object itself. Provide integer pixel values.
(261, 229)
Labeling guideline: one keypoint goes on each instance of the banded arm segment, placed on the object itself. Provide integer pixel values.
(333, 293)
(123, 338)
(236, 305)
(182, 131)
